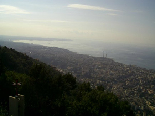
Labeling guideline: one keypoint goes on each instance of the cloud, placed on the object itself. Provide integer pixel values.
(52, 21)
(112, 14)
(7, 9)
(87, 7)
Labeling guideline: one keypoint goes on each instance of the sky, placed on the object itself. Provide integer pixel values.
(119, 21)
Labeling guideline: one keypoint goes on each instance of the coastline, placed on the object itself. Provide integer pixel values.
(141, 57)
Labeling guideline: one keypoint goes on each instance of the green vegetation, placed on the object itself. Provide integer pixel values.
(50, 93)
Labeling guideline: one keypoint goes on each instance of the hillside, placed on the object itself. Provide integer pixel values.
(48, 92)
(128, 82)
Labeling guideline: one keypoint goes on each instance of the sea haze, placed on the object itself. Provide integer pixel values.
(124, 53)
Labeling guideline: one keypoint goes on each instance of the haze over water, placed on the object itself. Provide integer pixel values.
(123, 53)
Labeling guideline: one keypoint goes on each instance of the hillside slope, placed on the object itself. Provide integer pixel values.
(48, 92)
(129, 82)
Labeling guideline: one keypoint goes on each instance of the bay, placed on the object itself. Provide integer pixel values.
(141, 56)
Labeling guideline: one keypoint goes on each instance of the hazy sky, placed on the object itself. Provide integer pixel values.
(129, 21)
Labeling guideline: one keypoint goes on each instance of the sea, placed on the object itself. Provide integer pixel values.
(130, 54)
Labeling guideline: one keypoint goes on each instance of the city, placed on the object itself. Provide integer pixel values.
(128, 82)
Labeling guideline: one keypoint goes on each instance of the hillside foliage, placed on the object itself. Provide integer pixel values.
(50, 93)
